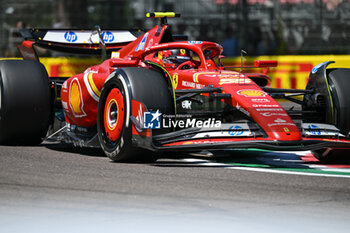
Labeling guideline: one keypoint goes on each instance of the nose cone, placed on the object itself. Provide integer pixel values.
(288, 133)
(265, 111)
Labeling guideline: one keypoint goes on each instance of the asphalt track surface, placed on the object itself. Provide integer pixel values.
(56, 188)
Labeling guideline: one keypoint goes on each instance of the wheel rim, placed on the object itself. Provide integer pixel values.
(114, 114)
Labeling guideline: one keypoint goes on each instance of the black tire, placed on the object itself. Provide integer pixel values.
(25, 102)
(339, 83)
(332, 156)
(114, 130)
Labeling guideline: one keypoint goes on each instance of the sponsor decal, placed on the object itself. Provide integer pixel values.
(235, 130)
(235, 81)
(224, 75)
(268, 114)
(277, 124)
(108, 37)
(75, 98)
(186, 104)
(234, 75)
(269, 109)
(152, 120)
(86, 37)
(279, 120)
(70, 36)
(314, 129)
(265, 105)
(251, 93)
(192, 84)
(260, 100)
(141, 46)
(194, 42)
(175, 80)
(242, 109)
(188, 84)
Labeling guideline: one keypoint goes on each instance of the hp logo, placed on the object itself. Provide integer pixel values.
(235, 130)
(70, 36)
(108, 36)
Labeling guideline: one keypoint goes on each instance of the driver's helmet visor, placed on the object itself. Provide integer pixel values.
(181, 59)
(178, 56)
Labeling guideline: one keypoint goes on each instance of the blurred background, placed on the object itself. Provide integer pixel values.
(299, 34)
(260, 27)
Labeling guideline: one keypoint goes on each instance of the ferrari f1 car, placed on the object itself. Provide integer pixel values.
(160, 92)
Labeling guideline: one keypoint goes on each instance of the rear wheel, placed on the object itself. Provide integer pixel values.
(114, 109)
(25, 102)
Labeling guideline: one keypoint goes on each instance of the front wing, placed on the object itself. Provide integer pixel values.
(243, 135)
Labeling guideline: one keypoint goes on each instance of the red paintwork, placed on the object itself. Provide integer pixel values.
(137, 111)
(246, 95)
(114, 129)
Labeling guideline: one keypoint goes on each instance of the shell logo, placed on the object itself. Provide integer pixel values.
(251, 93)
(75, 98)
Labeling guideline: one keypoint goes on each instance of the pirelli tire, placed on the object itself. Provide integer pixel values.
(339, 83)
(114, 125)
(25, 102)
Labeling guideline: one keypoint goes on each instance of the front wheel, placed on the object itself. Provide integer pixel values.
(332, 156)
(114, 126)
(113, 123)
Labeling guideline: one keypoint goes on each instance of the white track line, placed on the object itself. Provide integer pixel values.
(227, 166)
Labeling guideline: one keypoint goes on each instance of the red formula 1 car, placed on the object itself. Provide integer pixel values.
(161, 92)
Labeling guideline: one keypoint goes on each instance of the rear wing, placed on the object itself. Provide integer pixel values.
(80, 41)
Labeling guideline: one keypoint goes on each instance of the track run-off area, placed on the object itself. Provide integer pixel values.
(60, 188)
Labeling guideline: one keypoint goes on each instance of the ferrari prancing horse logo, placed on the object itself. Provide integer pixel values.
(175, 80)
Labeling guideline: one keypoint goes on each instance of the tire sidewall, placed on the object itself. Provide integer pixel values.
(25, 102)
